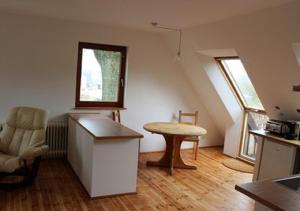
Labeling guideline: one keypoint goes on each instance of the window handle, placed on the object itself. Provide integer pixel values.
(122, 82)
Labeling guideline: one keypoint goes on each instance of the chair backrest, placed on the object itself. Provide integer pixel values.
(116, 116)
(190, 118)
(25, 127)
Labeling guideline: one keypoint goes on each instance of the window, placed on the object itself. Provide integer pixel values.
(240, 81)
(252, 121)
(254, 114)
(100, 75)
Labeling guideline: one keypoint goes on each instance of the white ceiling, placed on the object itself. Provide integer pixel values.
(139, 13)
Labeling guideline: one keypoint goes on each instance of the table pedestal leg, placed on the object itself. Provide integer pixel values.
(171, 158)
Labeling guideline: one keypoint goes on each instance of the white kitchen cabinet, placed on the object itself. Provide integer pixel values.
(277, 160)
(103, 154)
(276, 157)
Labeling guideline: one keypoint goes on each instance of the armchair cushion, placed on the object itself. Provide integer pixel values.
(22, 138)
(27, 118)
(9, 163)
(33, 152)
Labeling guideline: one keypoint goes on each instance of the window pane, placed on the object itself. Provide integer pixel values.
(239, 77)
(254, 121)
(100, 72)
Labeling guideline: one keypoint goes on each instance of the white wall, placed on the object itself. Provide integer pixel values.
(38, 60)
(296, 49)
(263, 40)
(232, 106)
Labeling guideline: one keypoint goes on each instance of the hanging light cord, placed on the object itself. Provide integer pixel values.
(179, 46)
(156, 25)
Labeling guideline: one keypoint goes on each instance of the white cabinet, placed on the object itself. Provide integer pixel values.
(104, 155)
(277, 160)
(276, 157)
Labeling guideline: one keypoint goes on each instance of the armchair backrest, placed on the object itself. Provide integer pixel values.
(25, 127)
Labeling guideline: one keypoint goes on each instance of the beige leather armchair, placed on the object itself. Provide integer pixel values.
(22, 142)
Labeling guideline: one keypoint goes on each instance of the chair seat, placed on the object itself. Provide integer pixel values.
(9, 163)
(192, 139)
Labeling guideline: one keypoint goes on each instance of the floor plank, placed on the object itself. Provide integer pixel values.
(210, 187)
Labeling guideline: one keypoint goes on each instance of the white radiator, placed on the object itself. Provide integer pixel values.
(57, 139)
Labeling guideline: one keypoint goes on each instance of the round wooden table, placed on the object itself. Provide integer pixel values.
(174, 134)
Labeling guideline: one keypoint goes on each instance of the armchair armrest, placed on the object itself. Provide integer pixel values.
(2, 147)
(33, 152)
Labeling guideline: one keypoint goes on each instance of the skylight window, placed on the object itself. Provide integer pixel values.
(239, 79)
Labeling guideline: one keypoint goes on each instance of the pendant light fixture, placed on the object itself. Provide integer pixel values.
(179, 31)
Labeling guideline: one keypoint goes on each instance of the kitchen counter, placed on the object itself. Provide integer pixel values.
(103, 154)
(275, 138)
(102, 128)
(271, 194)
(276, 157)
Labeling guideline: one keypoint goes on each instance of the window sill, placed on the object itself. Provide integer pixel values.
(99, 108)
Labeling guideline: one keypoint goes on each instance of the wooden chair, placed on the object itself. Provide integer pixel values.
(116, 116)
(193, 120)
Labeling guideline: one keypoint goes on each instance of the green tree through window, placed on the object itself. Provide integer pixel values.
(110, 66)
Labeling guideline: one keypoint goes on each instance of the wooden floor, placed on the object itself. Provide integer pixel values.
(210, 187)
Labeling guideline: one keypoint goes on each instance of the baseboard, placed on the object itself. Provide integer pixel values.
(113, 195)
(205, 147)
(215, 146)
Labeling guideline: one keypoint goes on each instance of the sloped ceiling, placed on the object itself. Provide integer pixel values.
(265, 42)
(139, 13)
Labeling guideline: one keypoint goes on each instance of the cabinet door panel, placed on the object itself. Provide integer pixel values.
(277, 160)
